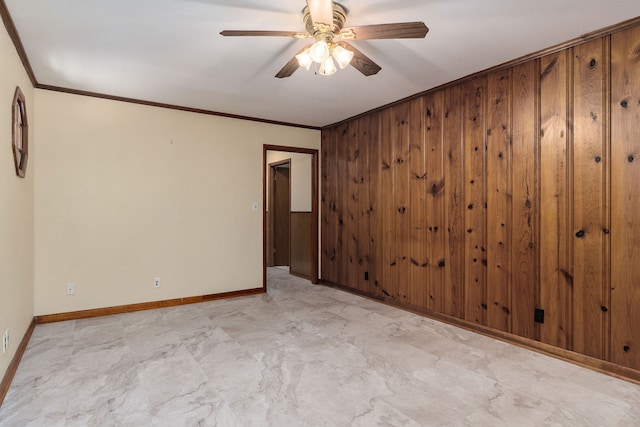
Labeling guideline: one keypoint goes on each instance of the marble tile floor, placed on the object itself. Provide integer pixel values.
(300, 355)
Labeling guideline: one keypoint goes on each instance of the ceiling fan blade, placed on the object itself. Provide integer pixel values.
(400, 30)
(321, 12)
(290, 67)
(267, 33)
(360, 61)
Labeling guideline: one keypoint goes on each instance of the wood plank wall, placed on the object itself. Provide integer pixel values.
(507, 192)
(300, 258)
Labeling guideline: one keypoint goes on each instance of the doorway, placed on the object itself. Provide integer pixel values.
(279, 214)
(295, 245)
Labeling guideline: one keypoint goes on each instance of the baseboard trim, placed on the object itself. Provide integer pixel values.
(598, 365)
(13, 366)
(129, 308)
(106, 311)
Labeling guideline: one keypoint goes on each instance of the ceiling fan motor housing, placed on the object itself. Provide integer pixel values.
(326, 32)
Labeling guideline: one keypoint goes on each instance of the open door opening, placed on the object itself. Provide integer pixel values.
(279, 214)
(290, 217)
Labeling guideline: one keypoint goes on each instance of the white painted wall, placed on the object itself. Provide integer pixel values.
(16, 209)
(125, 193)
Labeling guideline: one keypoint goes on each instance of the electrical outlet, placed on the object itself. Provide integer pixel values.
(156, 282)
(71, 288)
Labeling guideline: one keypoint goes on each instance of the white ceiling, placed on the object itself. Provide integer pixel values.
(170, 51)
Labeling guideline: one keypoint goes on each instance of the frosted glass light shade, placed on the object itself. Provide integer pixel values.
(304, 59)
(327, 67)
(319, 51)
(342, 56)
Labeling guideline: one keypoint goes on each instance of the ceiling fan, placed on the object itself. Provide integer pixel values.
(324, 21)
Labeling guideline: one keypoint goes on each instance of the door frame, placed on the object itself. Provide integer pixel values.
(271, 203)
(314, 207)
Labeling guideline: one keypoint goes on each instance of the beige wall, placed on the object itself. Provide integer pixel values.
(301, 167)
(16, 209)
(125, 193)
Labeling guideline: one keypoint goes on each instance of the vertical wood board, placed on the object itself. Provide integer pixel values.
(475, 201)
(375, 219)
(364, 207)
(418, 175)
(387, 212)
(524, 170)
(589, 167)
(454, 198)
(556, 278)
(342, 197)
(498, 169)
(625, 198)
(402, 210)
(435, 202)
(352, 205)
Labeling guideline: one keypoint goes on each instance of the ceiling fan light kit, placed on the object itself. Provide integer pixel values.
(324, 53)
(327, 68)
(342, 56)
(324, 21)
(304, 59)
(319, 51)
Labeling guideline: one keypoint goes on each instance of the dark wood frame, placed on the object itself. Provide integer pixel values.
(20, 148)
(314, 207)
